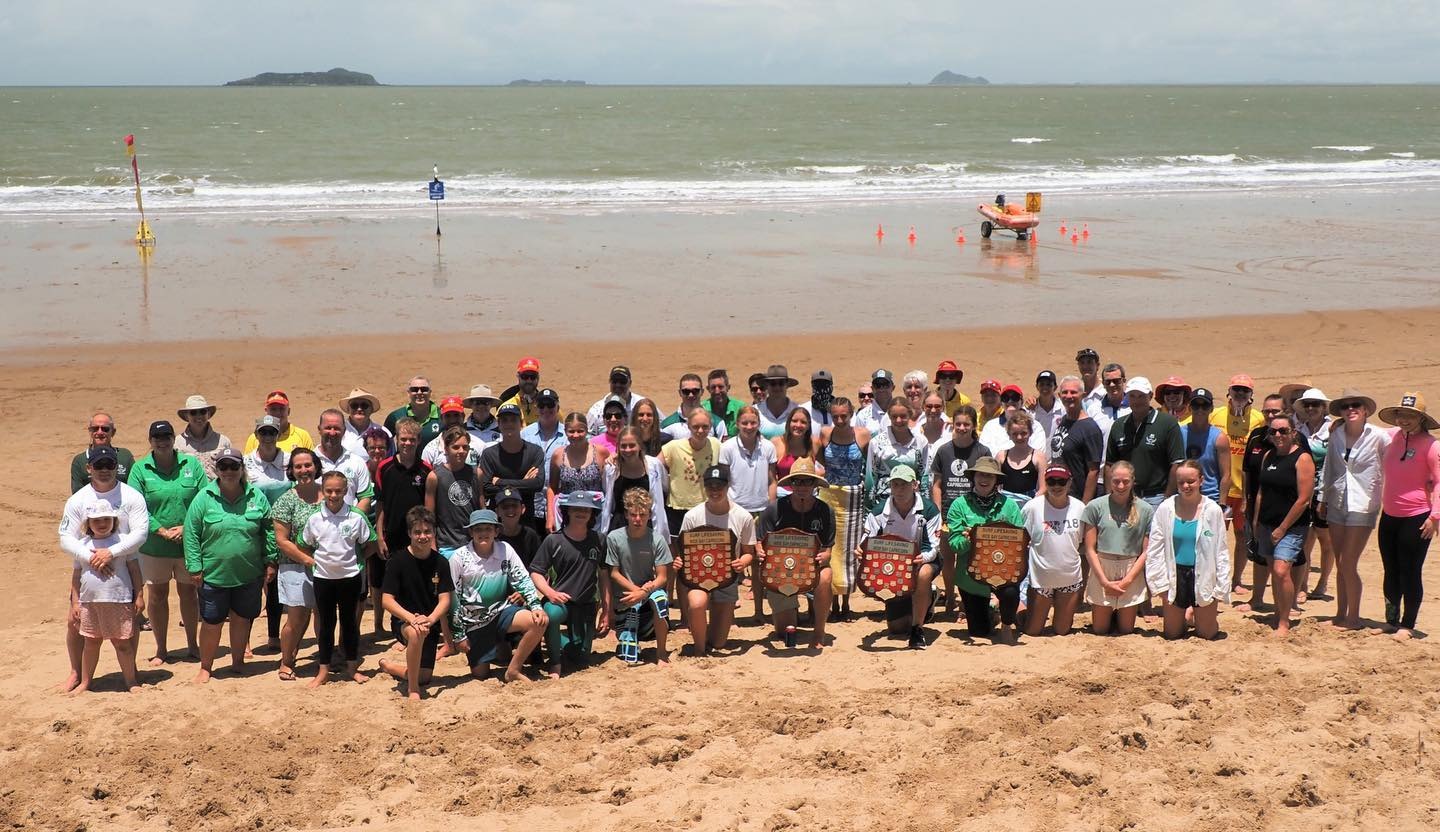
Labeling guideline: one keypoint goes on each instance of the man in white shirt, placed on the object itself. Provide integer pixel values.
(359, 407)
(452, 413)
(874, 417)
(102, 465)
(1047, 407)
(334, 457)
(996, 436)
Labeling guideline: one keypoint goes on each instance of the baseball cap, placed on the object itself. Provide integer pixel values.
(1139, 384)
(990, 385)
(1087, 352)
(547, 394)
(508, 409)
(1202, 394)
(528, 365)
(582, 499)
(614, 401)
(885, 375)
(452, 404)
(1046, 375)
(277, 397)
(161, 428)
(903, 473)
(948, 367)
(267, 422)
(100, 452)
(1057, 471)
(482, 517)
(620, 370)
(230, 454)
(1242, 380)
(822, 375)
(1012, 390)
(717, 473)
(507, 494)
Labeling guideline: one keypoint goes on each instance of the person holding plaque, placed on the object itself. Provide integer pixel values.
(903, 517)
(1115, 526)
(717, 604)
(801, 509)
(984, 504)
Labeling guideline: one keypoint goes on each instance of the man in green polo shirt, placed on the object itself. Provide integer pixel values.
(102, 432)
(720, 404)
(1148, 439)
(168, 481)
(420, 408)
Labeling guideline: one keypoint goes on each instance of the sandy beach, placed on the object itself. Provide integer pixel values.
(1328, 730)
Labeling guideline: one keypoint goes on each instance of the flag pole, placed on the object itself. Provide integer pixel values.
(437, 202)
(143, 235)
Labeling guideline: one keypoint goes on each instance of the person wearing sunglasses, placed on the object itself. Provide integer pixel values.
(265, 466)
(1313, 420)
(677, 424)
(527, 390)
(101, 431)
(874, 414)
(421, 408)
(990, 407)
(1282, 511)
(1352, 485)
(169, 481)
(620, 380)
(230, 550)
(842, 450)
(1257, 444)
(1053, 521)
(1205, 443)
(615, 413)
(995, 431)
(1186, 560)
(359, 408)
(1238, 418)
(200, 439)
(277, 406)
(1410, 509)
(102, 483)
(947, 383)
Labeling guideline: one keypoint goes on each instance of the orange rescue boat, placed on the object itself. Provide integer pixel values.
(1007, 216)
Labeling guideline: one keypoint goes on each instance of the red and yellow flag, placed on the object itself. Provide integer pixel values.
(143, 235)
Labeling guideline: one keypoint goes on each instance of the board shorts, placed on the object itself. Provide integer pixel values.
(157, 570)
(486, 641)
(218, 602)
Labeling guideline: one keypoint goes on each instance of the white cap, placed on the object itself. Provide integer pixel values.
(1139, 384)
(1314, 394)
(101, 508)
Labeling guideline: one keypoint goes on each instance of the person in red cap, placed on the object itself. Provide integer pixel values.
(990, 406)
(995, 434)
(1174, 396)
(277, 405)
(947, 379)
(1238, 418)
(452, 414)
(1055, 577)
(526, 391)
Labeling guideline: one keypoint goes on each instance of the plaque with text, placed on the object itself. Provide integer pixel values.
(887, 568)
(998, 553)
(705, 553)
(789, 566)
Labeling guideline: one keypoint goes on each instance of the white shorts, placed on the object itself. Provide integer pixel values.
(296, 588)
(1115, 569)
(156, 570)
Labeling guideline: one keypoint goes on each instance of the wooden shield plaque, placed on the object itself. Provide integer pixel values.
(789, 567)
(707, 552)
(887, 569)
(998, 553)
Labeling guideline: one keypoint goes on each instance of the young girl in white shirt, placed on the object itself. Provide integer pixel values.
(106, 600)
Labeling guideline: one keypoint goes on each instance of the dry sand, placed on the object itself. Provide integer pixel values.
(1328, 730)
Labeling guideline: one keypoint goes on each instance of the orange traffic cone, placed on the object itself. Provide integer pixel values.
(960, 237)
(1062, 228)
(1085, 232)
(911, 237)
(880, 232)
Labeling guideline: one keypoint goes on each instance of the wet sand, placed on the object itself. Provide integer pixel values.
(1329, 730)
(669, 273)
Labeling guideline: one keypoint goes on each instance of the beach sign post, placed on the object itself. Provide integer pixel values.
(143, 235)
(437, 195)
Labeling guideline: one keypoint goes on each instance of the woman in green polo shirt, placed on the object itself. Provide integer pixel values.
(169, 482)
(230, 552)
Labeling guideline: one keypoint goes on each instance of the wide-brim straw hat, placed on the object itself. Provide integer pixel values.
(196, 402)
(1350, 394)
(984, 465)
(777, 372)
(1293, 390)
(1410, 403)
(360, 393)
(481, 394)
(802, 469)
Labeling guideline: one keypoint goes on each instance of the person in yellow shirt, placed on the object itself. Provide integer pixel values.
(526, 391)
(947, 377)
(1238, 418)
(990, 405)
(277, 404)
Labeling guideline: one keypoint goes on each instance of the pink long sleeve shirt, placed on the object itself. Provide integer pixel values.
(1412, 475)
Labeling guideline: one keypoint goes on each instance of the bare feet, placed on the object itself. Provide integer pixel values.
(322, 675)
(413, 696)
(202, 676)
(70, 682)
(1243, 607)
(80, 689)
(817, 644)
(1301, 597)
(1403, 634)
(554, 672)
(359, 678)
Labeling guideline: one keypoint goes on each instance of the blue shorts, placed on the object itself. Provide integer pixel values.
(217, 602)
(485, 641)
(1290, 548)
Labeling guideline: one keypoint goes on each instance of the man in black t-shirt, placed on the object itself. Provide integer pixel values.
(512, 462)
(417, 594)
(801, 510)
(1077, 442)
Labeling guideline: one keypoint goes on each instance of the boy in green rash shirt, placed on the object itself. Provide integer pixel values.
(984, 504)
(169, 482)
(230, 552)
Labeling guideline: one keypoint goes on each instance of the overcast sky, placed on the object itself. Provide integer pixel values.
(722, 41)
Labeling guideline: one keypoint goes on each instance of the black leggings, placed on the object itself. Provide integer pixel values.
(1402, 552)
(337, 598)
(977, 608)
(273, 611)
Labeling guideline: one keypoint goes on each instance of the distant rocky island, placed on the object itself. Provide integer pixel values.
(334, 78)
(544, 82)
(953, 79)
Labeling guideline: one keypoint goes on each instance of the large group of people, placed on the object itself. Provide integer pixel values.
(501, 528)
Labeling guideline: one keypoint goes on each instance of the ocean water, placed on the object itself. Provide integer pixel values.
(369, 151)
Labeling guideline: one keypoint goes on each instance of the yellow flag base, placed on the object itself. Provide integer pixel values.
(143, 235)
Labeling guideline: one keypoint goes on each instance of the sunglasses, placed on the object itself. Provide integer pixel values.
(934, 408)
(614, 417)
(1312, 404)
(1052, 481)
(268, 433)
(690, 391)
(188, 413)
(1352, 406)
(104, 465)
(419, 389)
(1280, 431)
(1012, 399)
(360, 406)
(547, 406)
(947, 377)
(883, 385)
(1112, 382)
(102, 428)
(755, 388)
(1271, 412)
(227, 465)
(865, 397)
(529, 376)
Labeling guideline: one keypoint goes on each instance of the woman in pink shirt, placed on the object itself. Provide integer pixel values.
(1410, 508)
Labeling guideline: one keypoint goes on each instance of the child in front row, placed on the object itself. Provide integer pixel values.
(341, 537)
(105, 602)
(417, 592)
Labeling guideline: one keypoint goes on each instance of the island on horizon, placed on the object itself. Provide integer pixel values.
(544, 82)
(952, 79)
(336, 77)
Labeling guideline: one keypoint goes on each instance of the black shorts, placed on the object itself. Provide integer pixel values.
(1183, 594)
(375, 570)
(674, 516)
(1316, 521)
(427, 650)
(217, 602)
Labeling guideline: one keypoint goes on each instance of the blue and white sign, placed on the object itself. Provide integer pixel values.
(437, 189)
